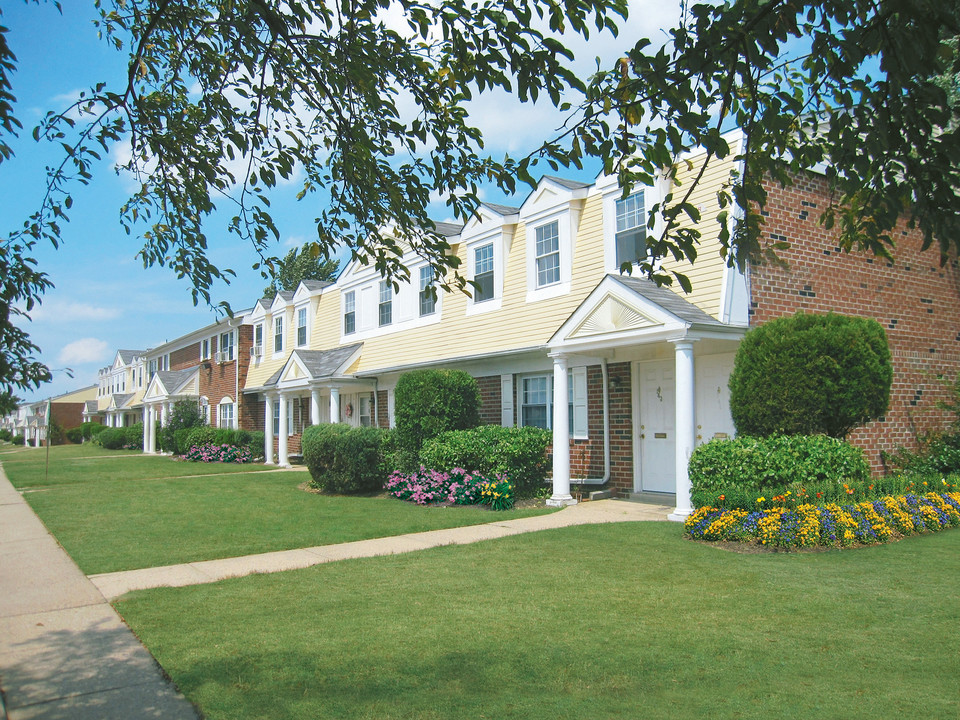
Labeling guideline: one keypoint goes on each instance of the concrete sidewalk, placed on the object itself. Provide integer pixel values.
(65, 654)
(115, 584)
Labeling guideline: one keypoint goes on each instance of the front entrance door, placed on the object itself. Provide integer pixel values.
(656, 436)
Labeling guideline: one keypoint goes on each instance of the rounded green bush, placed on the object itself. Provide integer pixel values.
(777, 462)
(344, 459)
(810, 374)
(112, 438)
(519, 453)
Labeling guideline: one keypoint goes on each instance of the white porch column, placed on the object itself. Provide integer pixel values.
(268, 429)
(334, 405)
(685, 427)
(315, 406)
(283, 456)
(36, 436)
(146, 428)
(26, 436)
(164, 414)
(561, 435)
(150, 431)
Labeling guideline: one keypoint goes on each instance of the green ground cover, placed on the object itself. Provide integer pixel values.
(120, 513)
(624, 620)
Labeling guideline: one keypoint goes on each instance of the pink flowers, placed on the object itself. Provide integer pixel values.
(219, 453)
(427, 487)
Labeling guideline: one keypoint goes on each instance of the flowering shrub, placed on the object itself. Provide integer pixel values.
(457, 487)
(218, 453)
(809, 525)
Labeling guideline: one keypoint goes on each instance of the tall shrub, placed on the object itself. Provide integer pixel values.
(429, 402)
(810, 374)
(186, 414)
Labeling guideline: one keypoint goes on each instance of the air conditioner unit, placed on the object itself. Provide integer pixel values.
(220, 357)
(256, 351)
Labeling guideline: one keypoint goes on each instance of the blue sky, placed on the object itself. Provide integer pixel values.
(103, 298)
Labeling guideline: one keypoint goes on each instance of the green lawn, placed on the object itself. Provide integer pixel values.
(617, 621)
(115, 512)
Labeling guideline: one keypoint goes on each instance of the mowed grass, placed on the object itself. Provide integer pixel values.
(112, 512)
(614, 621)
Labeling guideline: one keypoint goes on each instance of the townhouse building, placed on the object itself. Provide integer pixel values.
(119, 391)
(629, 377)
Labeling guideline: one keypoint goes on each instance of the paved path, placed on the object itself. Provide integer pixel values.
(65, 654)
(115, 584)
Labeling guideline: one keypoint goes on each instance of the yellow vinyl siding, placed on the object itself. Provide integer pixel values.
(706, 273)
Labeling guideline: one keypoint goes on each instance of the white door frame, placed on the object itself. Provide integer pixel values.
(635, 382)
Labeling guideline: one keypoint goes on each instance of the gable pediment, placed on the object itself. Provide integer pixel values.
(613, 314)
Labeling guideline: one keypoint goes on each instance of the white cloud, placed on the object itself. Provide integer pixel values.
(85, 350)
(63, 312)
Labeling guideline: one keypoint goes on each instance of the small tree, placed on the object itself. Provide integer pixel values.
(305, 264)
(809, 374)
(429, 402)
(186, 414)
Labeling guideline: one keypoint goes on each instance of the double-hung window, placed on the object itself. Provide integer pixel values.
(301, 327)
(631, 229)
(226, 415)
(258, 339)
(548, 254)
(349, 312)
(535, 401)
(226, 345)
(386, 303)
(483, 273)
(278, 334)
(276, 418)
(205, 349)
(364, 411)
(428, 297)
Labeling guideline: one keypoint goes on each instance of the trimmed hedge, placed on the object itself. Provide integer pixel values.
(809, 374)
(517, 453)
(429, 402)
(75, 435)
(112, 438)
(775, 462)
(344, 459)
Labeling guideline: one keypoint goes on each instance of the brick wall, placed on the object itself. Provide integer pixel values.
(67, 415)
(621, 428)
(915, 300)
(490, 396)
(184, 358)
(383, 409)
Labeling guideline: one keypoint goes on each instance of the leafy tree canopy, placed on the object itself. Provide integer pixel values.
(305, 264)
(225, 98)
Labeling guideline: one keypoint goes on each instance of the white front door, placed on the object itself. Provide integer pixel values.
(713, 398)
(655, 435)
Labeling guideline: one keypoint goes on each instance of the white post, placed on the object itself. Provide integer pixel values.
(283, 458)
(151, 430)
(315, 406)
(268, 429)
(146, 428)
(334, 405)
(561, 435)
(686, 432)
(164, 414)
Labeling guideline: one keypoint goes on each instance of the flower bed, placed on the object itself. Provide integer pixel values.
(456, 487)
(808, 525)
(218, 453)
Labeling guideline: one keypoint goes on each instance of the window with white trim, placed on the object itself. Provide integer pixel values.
(364, 412)
(483, 273)
(226, 345)
(385, 308)
(278, 334)
(536, 402)
(276, 418)
(205, 349)
(631, 229)
(301, 327)
(428, 296)
(349, 312)
(258, 338)
(225, 417)
(290, 429)
(548, 254)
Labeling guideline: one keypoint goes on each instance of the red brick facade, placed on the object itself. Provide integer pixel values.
(915, 300)
(490, 396)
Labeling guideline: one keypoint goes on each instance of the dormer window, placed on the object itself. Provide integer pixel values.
(631, 229)
(548, 254)
(301, 327)
(483, 273)
(428, 298)
(349, 312)
(386, 303)
(278, 334)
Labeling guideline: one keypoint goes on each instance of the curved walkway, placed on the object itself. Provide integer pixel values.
(65, 654)
(115, 584)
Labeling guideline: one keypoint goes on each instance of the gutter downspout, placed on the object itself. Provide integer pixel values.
(376, 402)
